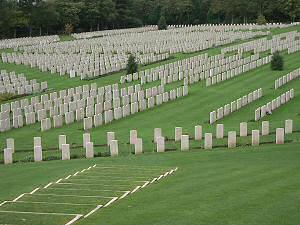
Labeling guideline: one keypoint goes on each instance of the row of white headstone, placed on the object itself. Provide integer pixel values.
(204, 67)
(287, 78)
(102, 33)
(83, 104)
(202, 27)
(267, 109)
(95, 57)
(171, 41)
(264, 44)
(244, 26)
(239, 70)
(96, 118)
(227, 109)
(18, 84)
(158, 139)
(16, 42)
(73, 65)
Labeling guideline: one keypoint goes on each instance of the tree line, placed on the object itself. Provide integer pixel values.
(20, 18)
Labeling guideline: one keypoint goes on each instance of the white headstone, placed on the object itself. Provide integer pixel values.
(65, 152)
(185, 142)
(208, 141)
(231, 139)
(157, 133)
(178, 133)
(138, 147)
(89, 150)
(10, 143)
(86, 139)
(265, 128)
(62, 139)
(37, 141)
(109, 137)
(243, 129)
(255, 137)
(133, 137)
(160, 144)
(38, 154)
(220, 131)
(279, 136)
(198, 133)
(8, 156)
(288, 126)
(114, 149)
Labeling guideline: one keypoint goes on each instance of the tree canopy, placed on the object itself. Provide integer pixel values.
(38, 17)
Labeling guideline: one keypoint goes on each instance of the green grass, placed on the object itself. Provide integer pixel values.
(78, 194)
(243, 186)
(252, 186)
(65, 37)
(186, 112)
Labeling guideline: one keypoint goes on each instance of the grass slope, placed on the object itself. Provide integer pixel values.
(186, 112)
(229, 187)
(249, 186)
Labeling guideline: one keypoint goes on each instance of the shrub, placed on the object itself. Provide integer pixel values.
(277, 61)
(132, 65)
(261, 20)
(69, 28)
(162, 24)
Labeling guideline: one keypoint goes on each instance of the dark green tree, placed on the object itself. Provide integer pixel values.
(37, 17)
(132, 65)
(261, 20)
(277, 61)
(162, 24)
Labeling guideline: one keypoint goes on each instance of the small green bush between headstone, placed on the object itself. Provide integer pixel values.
(277, 61)
(132, 65)
(261, 20)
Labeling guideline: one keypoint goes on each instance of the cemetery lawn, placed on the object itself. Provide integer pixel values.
(244, 186)
(186, 112)
(249, 186)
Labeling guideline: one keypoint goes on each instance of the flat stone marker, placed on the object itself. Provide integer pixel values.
(185, 143)
(62, 139)
(157, 133)
(138, 147)
(65, 152)
(231, 139)
(109, 137)
(220, 131)
(89, 150)
(114, 149)
(10, 143)
(38, 154)
(178, 133)
(133, 137)
(265, 128)
(288, 126)
(160, 144)
(208, 141)
(198, 133)
(86, 138)
(255, 137)
(280, 136)
(243, 129)
(8, 156)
